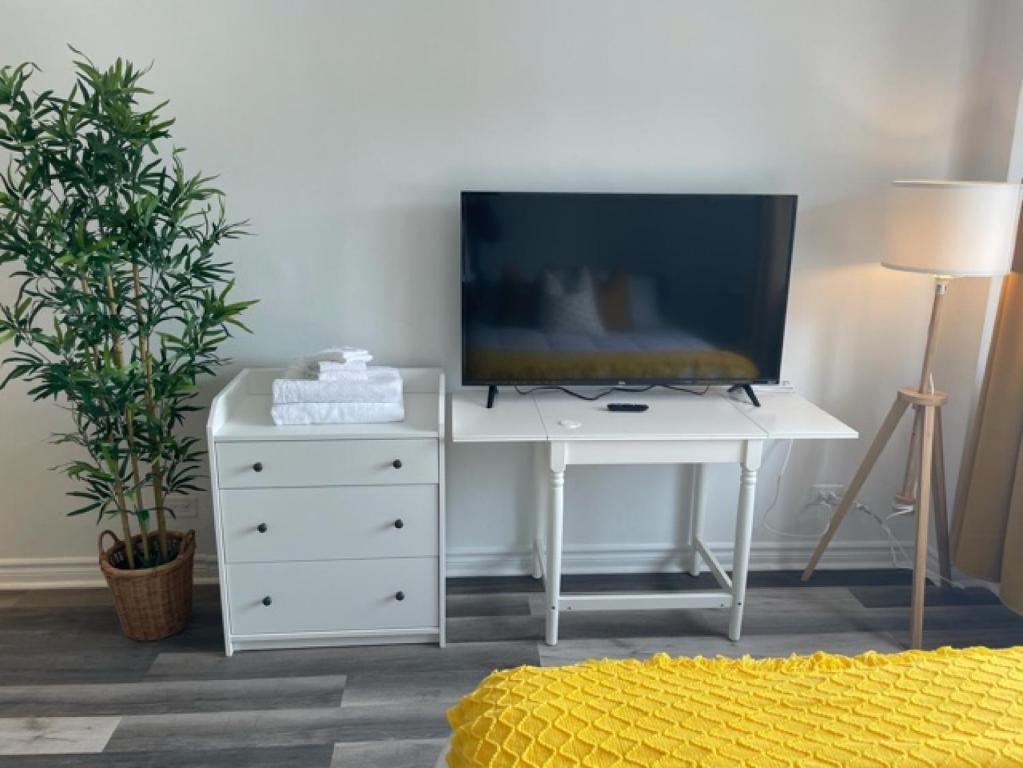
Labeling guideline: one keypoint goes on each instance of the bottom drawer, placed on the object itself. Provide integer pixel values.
(336, 595)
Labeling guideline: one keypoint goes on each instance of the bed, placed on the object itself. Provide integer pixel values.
(947, 707)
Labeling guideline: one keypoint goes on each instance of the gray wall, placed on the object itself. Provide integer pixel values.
(344, 131)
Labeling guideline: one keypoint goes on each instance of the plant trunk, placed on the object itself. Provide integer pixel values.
(118, 357)
(144, 530)
(161, 518)
(129, 550)
(136, 476)
(97, 359)
(125, 525)
(117, 353)
(147, 367)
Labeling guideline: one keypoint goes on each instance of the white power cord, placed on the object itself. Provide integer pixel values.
(766, 519)
(894, 545)
(900, 558)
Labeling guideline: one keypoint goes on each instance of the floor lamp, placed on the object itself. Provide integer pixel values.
(946, 229)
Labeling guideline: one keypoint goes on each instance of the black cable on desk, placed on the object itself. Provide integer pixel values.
(608, 391)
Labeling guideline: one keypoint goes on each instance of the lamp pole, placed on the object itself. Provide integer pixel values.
(907, 496)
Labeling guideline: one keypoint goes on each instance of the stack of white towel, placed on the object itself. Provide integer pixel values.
(338, 386)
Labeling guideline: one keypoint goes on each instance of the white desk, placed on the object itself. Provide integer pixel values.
(678, 428)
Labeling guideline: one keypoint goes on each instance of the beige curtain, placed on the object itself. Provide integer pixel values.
(987, 537)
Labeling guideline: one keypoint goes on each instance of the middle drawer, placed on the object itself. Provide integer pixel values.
(275, 524)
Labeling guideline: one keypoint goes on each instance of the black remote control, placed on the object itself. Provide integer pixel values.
(628, 407)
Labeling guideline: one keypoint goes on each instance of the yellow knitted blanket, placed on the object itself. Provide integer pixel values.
(943, 708)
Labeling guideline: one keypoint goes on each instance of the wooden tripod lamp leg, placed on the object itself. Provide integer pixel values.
(880, 440)
(916, 634)
(941, 503)
(907, 494)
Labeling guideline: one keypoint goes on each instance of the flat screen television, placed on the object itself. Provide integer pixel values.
(624, 289)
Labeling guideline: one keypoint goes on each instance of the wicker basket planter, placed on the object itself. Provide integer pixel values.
(151, 603)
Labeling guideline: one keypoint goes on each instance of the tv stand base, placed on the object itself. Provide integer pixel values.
(491, 395)
(748, 389)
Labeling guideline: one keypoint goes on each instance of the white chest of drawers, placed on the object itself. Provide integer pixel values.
(328, 534)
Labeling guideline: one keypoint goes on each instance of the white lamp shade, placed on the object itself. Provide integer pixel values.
(952, 228)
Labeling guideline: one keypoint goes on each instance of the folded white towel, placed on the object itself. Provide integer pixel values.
(332, 365)
(334, 358)
(308, 368)
(343, 355)
(305, 369)
(328, 369)
(362, 375)
(381, 385)
(337, 413)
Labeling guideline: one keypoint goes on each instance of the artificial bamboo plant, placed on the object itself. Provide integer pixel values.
(121, 303)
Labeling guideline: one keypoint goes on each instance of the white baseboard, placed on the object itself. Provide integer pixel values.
(82, 572)
(76, 572)
(767, 556)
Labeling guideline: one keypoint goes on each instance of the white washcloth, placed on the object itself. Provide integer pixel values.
(350, 358)
(351, 365)
(337, 413)
(343, 355)
(308, 368)
(381, 385)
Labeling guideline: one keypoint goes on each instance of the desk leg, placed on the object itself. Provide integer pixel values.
(743, 534)
(555, 525)
(540, 507)
(696, 509)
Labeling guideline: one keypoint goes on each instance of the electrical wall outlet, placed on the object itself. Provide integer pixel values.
(827, 494)
(819, 506)
(185, 507)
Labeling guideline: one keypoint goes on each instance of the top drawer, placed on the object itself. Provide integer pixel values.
(321, 462)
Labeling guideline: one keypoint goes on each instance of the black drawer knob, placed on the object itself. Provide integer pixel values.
(261, 527)
(257, 467)
(399, 596)
(399, 523)
(267, 600)
(396, 463)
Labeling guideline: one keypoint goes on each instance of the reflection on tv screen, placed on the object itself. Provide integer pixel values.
(610, 288)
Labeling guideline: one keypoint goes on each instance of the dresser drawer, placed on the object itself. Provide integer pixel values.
(364, 521)
(333, 596)
(323, 462)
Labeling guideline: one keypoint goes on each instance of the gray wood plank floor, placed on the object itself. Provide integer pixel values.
(74, 692)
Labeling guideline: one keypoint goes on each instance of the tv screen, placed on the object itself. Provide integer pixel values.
(612, 289)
